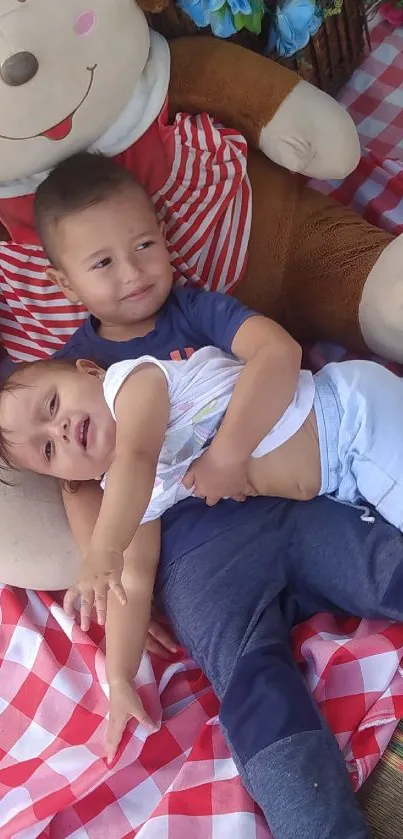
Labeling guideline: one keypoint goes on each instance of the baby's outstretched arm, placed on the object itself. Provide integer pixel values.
(142, 413)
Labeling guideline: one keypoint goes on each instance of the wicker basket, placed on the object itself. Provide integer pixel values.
(336, 50)
(327, 61)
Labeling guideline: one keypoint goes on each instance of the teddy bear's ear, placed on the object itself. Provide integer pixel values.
(153, 6)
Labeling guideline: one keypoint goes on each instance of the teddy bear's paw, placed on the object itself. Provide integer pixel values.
(312, 134)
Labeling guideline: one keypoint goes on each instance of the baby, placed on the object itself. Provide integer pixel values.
(139, 427)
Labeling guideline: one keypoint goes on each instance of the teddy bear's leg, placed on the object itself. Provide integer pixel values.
(319, 268)
(294, 123)
(332, 253)
(310, 133)
(381, 306)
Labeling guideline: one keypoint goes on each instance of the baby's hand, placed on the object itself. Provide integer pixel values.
(124, 704)
(100, 572)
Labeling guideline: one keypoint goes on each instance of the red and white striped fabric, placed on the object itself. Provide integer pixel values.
(206, 206)
(35, 317)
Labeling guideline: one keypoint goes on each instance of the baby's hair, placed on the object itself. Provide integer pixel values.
(11, 384)
(79, 182)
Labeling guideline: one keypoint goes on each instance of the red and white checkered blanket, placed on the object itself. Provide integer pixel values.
(54, 781)
(374, 98)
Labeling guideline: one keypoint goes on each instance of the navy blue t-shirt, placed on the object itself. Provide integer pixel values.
(190, 319)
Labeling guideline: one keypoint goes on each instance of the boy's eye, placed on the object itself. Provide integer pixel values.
(48, 451)
(102, 263)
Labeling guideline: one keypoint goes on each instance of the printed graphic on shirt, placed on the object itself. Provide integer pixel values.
(181, 355)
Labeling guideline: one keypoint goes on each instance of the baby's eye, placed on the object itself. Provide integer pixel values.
(52, 405)
(48, 451)
(144, 245)
(102, 263)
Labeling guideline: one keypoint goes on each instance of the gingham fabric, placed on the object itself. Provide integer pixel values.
(374, 98)
(181, 782)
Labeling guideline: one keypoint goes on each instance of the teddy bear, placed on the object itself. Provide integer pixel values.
(97, 77)
(223, 140)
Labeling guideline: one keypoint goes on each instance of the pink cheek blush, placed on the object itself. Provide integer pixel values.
(85, 23)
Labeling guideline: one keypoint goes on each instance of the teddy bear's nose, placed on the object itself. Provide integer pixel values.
(19, 69)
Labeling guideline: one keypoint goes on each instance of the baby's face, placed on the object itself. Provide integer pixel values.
(57, 422)
(114, 260)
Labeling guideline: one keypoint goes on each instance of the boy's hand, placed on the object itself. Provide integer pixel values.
(214, 478)
(124, 704)
(100, 572)
(159, 640)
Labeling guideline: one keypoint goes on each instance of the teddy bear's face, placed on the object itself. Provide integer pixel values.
(67, 69)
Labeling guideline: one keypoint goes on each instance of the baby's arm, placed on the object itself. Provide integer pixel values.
(82, 510)
(142, 413)
(263, 392)
(126, 632)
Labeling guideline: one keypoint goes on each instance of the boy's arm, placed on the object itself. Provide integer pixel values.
(273, 361)
(82, 510)
(262, 393)
(126, 632)
(264, 389)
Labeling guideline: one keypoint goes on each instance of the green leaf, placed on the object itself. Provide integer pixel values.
(253, 22)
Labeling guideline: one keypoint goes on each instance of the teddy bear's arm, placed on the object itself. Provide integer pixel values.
(292, 122)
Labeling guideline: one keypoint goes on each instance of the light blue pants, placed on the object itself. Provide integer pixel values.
(359, 410)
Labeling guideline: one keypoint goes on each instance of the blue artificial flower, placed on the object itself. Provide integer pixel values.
(225, 17)
(200, 11)
(242, 7)
(295, 21)
(214, 13)
(222, 22)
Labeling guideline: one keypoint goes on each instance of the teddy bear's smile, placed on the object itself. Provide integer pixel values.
(62, 129)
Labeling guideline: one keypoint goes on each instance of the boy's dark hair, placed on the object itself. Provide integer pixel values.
(81, 181)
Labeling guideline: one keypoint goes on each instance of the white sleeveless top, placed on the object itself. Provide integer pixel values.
(199, 390)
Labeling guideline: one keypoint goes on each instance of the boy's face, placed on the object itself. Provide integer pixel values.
(57, 421)
(113, 259)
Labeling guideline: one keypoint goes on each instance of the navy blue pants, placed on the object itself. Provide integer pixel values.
(233, 597)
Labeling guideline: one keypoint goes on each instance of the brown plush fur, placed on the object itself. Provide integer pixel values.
(202, 80)
(309, 257)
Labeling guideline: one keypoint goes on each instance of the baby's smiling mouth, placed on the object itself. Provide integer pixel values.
(63, 128)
